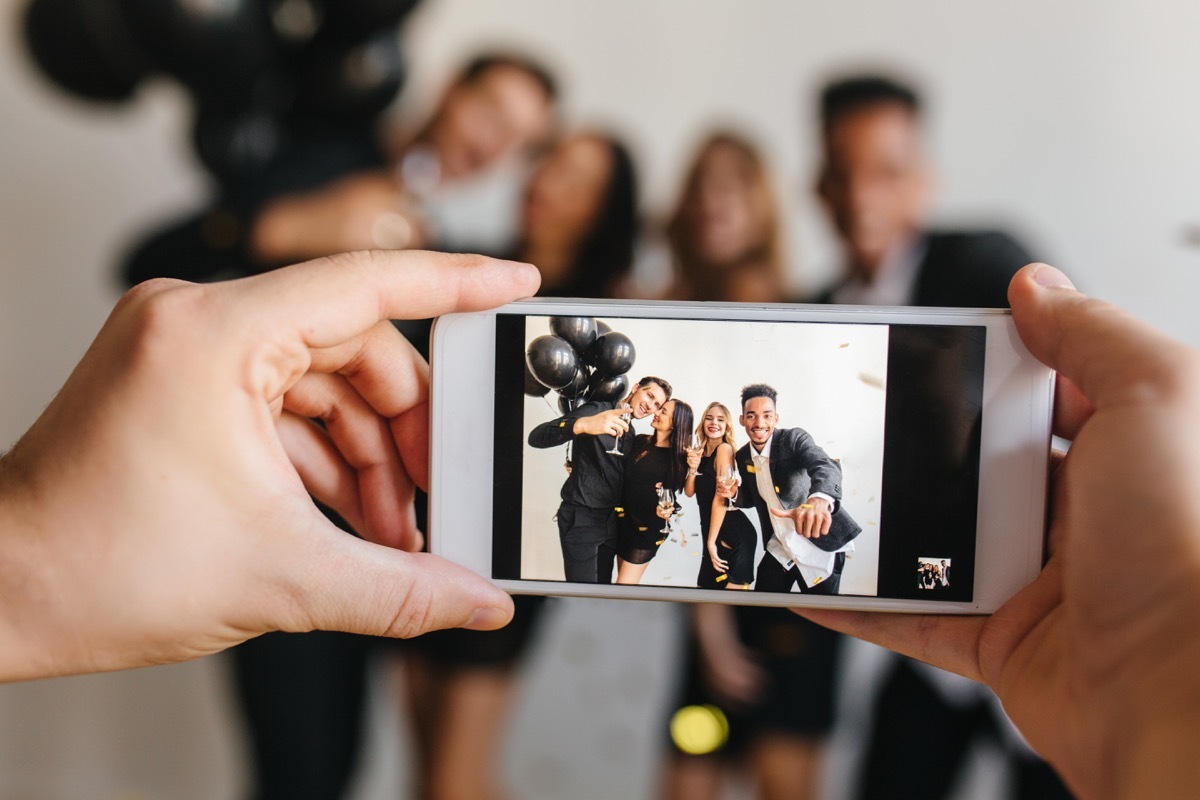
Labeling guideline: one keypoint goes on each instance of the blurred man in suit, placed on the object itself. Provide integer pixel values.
(875, 182)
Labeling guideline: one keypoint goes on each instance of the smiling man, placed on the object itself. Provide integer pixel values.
(796, 488)
(587, 516)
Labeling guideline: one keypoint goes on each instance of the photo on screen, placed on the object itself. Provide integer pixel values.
(867, 432)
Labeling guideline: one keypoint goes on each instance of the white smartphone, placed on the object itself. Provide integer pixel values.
(890, 459)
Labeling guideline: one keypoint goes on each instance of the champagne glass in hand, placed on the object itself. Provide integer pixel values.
(666, 507)
(729, 481)
(696, 448)
(626, 416)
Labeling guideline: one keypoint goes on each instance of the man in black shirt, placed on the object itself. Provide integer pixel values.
(587, 516)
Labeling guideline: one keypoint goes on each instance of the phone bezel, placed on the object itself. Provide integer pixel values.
(1018, 401)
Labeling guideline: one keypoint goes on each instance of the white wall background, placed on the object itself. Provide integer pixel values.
(831, 381)
(1074, 121)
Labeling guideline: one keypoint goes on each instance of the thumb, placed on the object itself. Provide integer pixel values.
(1105, 352)
(367, 588)
(781, 512)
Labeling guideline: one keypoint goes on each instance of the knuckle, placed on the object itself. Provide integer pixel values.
(415, 614)
(161, 317)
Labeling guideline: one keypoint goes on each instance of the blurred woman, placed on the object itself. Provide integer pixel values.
(729, 539)
(657, 470)
(579, 217)
(579, 220)
(766, 672)
(724, 234)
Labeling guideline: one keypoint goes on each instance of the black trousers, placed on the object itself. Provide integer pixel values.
(302, 696)
(772, 577)
(589, 542)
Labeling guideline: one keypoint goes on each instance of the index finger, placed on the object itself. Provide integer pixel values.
(330, 300)
(1106, 353)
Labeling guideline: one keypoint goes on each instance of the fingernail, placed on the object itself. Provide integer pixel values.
(1046, 275)
(487, 618)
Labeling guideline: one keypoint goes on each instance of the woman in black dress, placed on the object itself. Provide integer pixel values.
(658, 460)
(728, 560)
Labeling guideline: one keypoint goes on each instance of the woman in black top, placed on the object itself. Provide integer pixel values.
(658, 460)
(732, 544)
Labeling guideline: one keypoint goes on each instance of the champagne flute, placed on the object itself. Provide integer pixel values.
(728, 478)
(666, 505)
(697, 446)
(626, 416)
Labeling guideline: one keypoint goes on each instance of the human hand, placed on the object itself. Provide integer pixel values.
(727, 667)
(159, 509)
(359, 212)
(693, 462)
(727, 488)
(1098, 670)
(812, 519)
(719, 564)
(603, 423)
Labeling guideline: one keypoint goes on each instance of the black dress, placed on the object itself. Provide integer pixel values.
(706, 491)
(737, 541)
(640, 528)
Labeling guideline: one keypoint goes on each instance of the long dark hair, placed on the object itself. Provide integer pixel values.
(681, 437)
(606, 254)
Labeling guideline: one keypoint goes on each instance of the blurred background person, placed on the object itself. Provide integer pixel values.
(303, 694)
(725, 232)
(875, 182)
(442, 187)
(768, 674)
(578, 225)
(579, 217)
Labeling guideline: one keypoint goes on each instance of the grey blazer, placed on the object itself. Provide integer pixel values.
(799, 467)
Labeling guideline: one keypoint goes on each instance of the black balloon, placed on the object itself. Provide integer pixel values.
(351, 18)
(534, 387)
(579, 332)
(219, 50)
(353, 80)
(552, 361)
(237, 144)
(602, 327)
(612, 354)
(578, 385)
(85, 47)
(608, 389)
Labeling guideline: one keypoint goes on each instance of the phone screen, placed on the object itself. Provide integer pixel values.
(699, 453)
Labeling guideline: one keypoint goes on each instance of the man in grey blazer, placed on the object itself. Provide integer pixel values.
(796, 488)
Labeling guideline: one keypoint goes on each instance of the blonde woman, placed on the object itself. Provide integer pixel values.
(728, 538)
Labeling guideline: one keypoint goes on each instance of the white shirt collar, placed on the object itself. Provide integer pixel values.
(894, 284)
(766, 451)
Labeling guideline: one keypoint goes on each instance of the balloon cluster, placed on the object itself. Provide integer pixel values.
(255, 68)
(582, 359)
